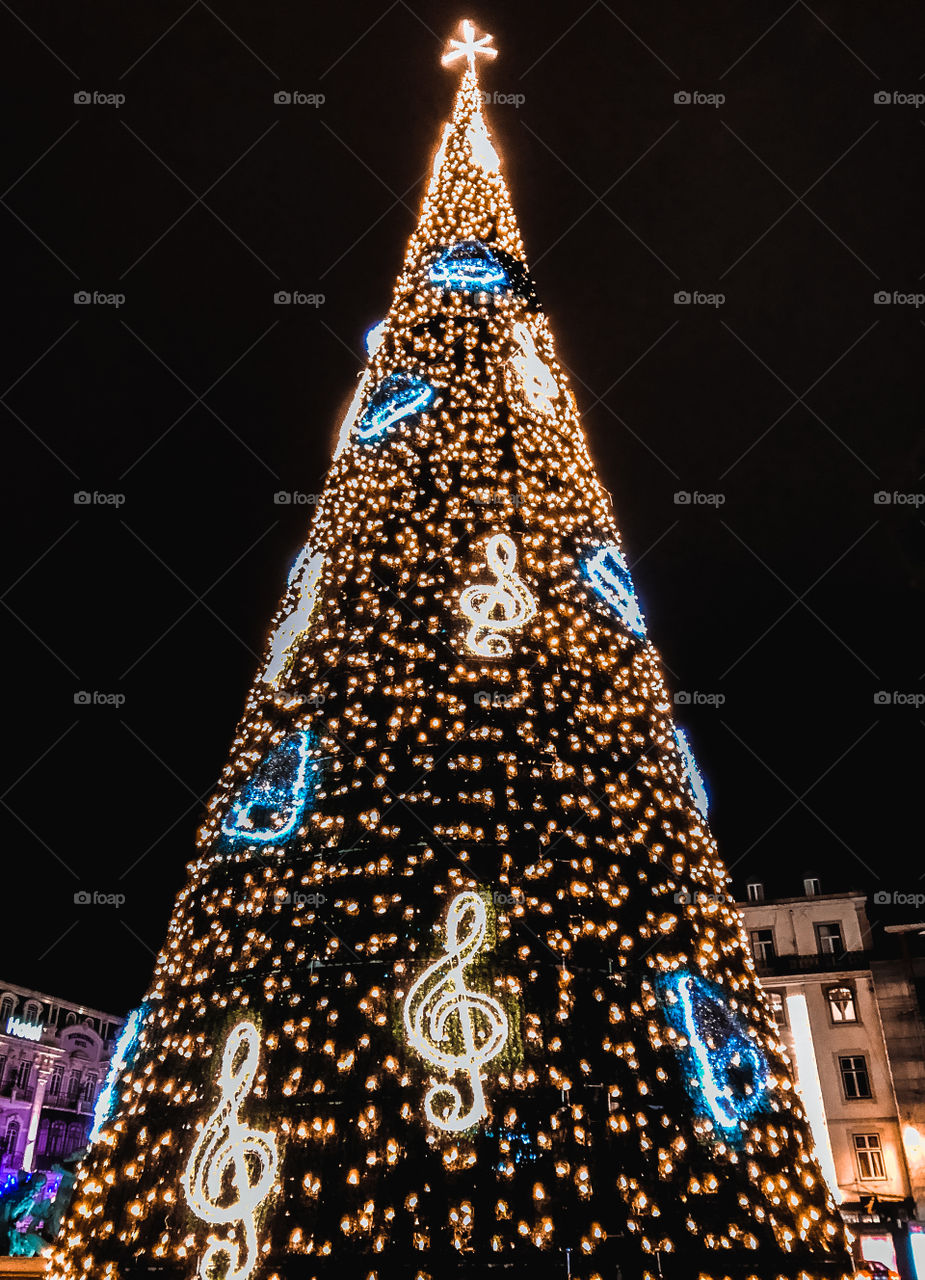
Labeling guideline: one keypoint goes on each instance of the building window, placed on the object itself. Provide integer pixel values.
(763, 945)
(778, 1008)
(89, 1089)
(755, 891)
(7, 1007)
(869, 1155)
(11, 1138)
(73, 1086)
(3, 1061)
(54, 1084)
(811, 887)
(70, 1019)
(32, 1013)
(22, 1077)
(854, 1077)
(842, 1007)
(828, 939)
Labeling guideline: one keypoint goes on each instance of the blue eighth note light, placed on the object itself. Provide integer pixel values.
(610, 576)
(731, 1074)
(398, 396)
(121, 1058)
(469, 267)
(278, 792)
(692, 775)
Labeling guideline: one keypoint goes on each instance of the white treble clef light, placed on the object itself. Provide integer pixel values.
(503, 606)
(440, 1004)
(231, 1168)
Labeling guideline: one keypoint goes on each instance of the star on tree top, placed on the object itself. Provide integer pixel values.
(468, 47)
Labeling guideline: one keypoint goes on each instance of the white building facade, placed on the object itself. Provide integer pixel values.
(53, 1060)
(813, 955)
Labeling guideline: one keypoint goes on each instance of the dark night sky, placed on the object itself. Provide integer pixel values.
(198, 198)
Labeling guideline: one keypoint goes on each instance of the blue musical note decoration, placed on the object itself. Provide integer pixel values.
(468, 267)
(398, 396)
(610, 577)
(269, 806)
(692, 775)
(728, 1075)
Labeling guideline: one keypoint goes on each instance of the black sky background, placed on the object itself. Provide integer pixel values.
(798, 399)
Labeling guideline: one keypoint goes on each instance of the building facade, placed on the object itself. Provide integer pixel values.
(53, 1061)
(851, 1025)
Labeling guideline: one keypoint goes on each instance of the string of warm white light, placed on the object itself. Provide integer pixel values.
(229, 1158)
(503, 606)
(439, 1004)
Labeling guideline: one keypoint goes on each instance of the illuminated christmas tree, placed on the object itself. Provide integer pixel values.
(455, 986)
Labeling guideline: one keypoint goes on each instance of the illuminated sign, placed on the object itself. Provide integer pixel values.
(24, 1030)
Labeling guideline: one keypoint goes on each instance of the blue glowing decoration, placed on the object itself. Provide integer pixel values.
(729, 1077)
(122, 1057)
(610, 576)
(692, 775)
(270, 804)
(469, 267)
(398, 396)
(373, 338)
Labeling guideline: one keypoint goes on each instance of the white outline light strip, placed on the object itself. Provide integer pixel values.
(809, 1087)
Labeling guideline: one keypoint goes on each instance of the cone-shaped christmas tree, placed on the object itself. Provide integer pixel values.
(455, 987)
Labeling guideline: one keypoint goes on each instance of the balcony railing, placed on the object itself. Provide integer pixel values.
(814, 963)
